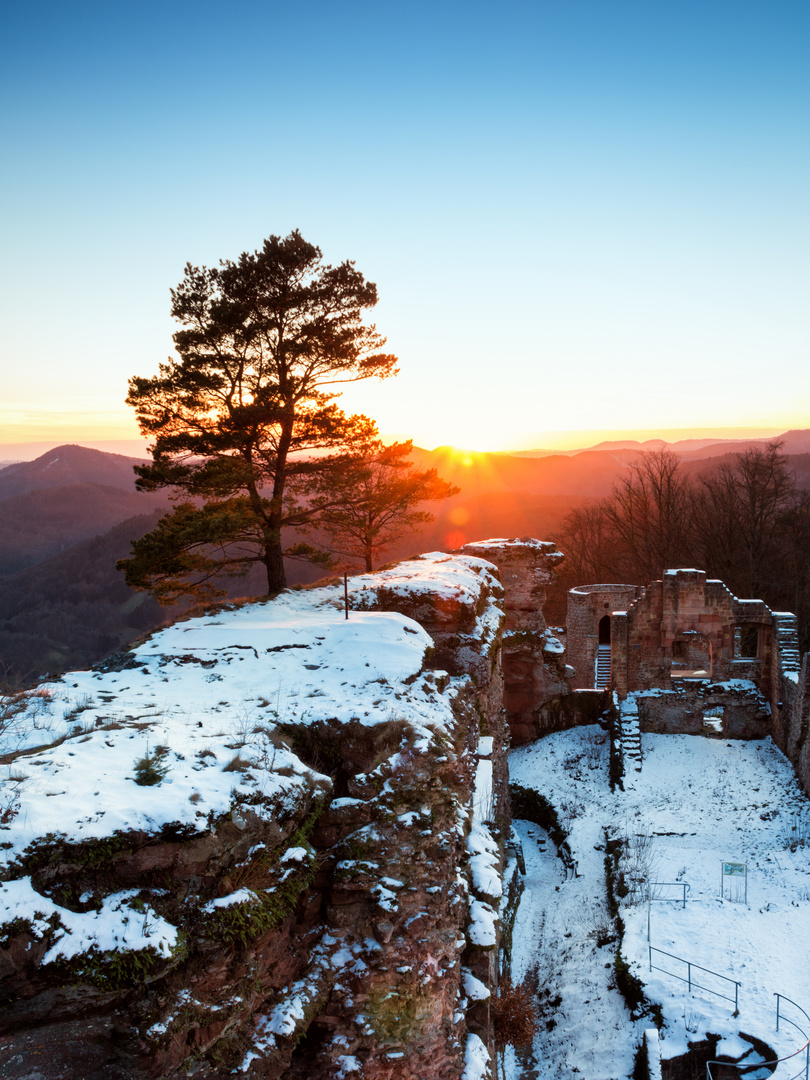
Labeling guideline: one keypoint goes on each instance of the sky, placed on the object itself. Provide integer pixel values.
(580, 216)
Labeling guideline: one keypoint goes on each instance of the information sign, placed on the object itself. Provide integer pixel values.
(730, 871)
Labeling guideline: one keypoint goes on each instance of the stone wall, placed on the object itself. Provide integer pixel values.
(587, 605)
(790, 696)
(684, 619)
(741, 710)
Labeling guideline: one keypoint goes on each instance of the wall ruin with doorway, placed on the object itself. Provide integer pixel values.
(684, 645)
(587, 606)
(687, 626)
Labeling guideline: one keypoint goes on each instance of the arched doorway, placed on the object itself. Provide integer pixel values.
(604, 630)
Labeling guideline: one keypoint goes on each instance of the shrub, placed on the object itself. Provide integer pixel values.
(514, 1013)
(151, 769)
(641, 1062)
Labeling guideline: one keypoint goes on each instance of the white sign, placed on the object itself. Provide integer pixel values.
(737, 890)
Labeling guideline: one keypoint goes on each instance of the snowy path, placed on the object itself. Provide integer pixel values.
(553, 931)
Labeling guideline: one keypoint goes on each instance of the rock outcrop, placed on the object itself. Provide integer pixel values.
(536, 680)
(264, 841)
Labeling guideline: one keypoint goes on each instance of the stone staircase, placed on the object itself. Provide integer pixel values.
(630, 736)
(602, 667)
(787, 640)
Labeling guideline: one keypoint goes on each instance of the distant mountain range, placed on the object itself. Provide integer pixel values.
(795, 442)
(68, 515)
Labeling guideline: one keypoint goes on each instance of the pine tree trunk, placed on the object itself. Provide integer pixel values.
(274, 564)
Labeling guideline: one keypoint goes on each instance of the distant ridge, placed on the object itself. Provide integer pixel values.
(796, 441)
(68, 465)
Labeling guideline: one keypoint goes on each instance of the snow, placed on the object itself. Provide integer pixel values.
(481, 929)
(118, 925)
(484, 861)
(476, 1059)
(473, 988)
(485, 745)
(653, 1044)
(209, 690)
(482, 800)
(241, 896)
(295, 854)
(696, 803)
(552, 645)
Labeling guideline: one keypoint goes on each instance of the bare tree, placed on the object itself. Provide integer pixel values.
(651, 515)
(375, 500)
(739, 509)
(589, 542)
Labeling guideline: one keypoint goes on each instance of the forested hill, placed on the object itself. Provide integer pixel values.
(67, 516)
(65, 465)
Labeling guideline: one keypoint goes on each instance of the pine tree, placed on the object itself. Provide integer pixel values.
(244, 419)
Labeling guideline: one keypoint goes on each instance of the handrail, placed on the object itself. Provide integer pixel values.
(668, 899)
(780, 997)
(690, 981)
(805, 1072)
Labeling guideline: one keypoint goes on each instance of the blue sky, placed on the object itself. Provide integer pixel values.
(579, 214)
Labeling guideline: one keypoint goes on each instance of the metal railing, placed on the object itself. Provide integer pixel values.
(660, 884)
(752, 1066)
(692, 983)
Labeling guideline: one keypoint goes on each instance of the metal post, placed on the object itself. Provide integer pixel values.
(684, 895)
(736, 998)
(649, 904)
(777, 1012)
(689, 975)
(346, 592)
(649, 947)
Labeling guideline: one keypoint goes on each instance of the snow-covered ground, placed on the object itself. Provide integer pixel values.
(696, 804)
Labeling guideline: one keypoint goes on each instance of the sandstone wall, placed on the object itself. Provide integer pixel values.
(741, 710)
(687, 619)
(790, 696)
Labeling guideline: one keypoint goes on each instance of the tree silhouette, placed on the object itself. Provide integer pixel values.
(369, 504)
(243, 418)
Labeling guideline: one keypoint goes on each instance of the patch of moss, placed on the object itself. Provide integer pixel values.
(400, 1013)
(115, 969)
(268, 906)
(64, 870)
